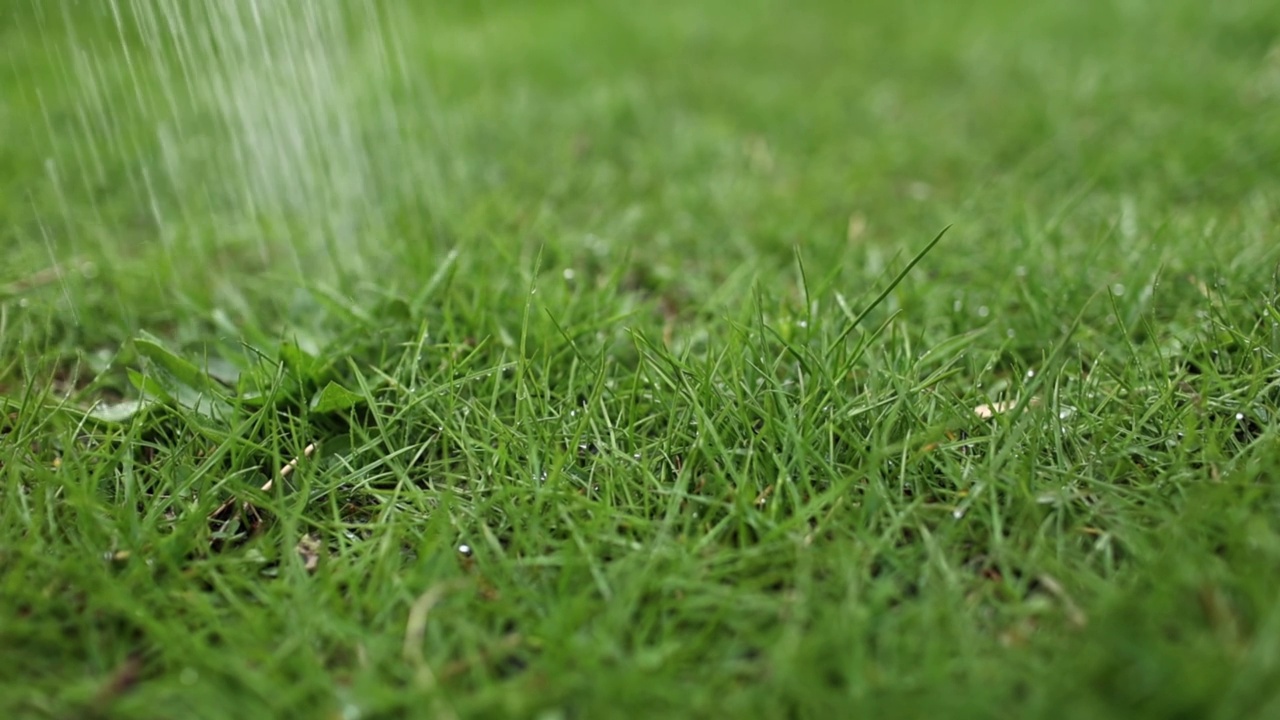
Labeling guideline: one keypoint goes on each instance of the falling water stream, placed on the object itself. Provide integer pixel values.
(242, 126)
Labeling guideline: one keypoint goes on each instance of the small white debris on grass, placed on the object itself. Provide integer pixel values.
(988, 411)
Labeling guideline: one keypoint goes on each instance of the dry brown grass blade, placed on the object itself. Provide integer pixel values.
(121, 681)
(416, 629)
(222, 513)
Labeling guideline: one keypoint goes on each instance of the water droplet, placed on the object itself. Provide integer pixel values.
(569, 274)
(1117, 289)
(983, 311)
(464, 550)
(1031, 374)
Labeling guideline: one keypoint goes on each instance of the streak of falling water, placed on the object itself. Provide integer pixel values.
(247, 120)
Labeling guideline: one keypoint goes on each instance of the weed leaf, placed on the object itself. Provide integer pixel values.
(334, 398)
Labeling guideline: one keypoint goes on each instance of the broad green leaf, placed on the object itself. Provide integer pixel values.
(178, 395)
(306, 366)
(204, 403)
(147, 385)
(394, 309)
(333, 398)
(223, 370)
(336, 447)
(117, 413)
(183, 371)
(254, 398)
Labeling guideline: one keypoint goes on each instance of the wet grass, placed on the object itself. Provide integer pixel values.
(591, 390)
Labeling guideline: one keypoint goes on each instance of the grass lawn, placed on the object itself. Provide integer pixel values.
(569, 359)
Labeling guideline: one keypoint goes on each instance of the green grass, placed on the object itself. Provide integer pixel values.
(607, 292)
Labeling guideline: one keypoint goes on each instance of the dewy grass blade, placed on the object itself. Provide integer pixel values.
(902, 274)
